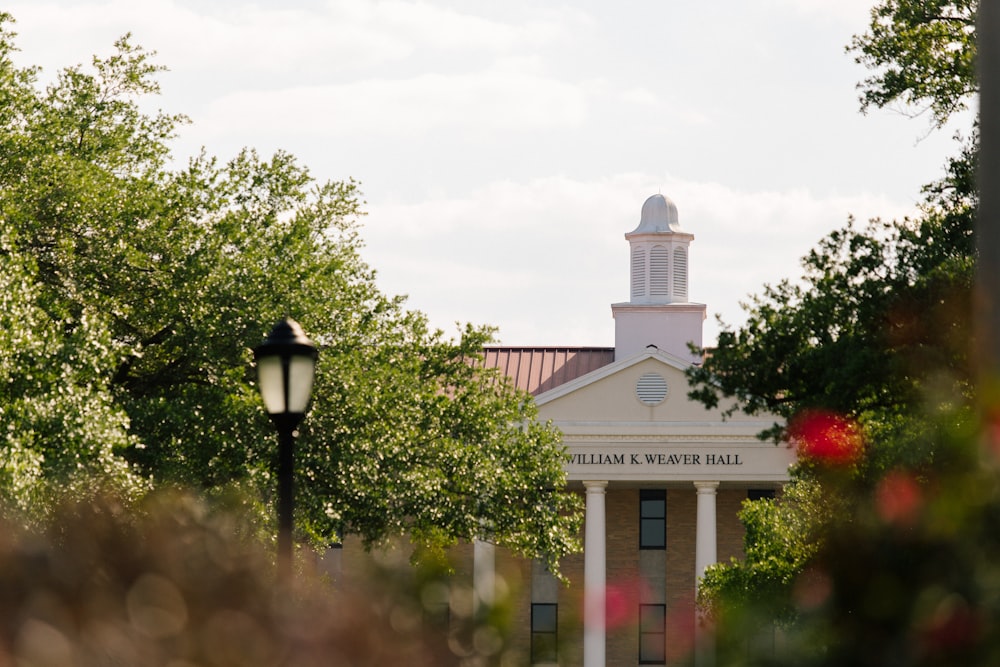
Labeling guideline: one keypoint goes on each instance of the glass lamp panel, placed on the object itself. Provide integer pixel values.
(300, 381)
(271, 383)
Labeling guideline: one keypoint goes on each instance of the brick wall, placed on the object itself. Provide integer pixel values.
(729, 529)
(624, 576)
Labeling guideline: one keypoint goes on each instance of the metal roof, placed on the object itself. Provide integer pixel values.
(539, 369)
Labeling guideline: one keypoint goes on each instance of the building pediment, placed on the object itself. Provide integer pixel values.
(633, 421)
(648, 387)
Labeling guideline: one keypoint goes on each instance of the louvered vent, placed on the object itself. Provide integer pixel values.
(638, 273)
(658, 285)
(680, 273)
(651, 389)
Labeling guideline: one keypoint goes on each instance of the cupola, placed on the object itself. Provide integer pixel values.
(659, 249)
(658, 312)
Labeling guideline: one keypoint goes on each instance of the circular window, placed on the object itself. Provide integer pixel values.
(651, 389)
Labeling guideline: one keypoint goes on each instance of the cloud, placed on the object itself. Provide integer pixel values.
(334, 69)
(848, 12)
(523, 117)
(448, 29)
(545, 259)
(296, 40)
(491, 100)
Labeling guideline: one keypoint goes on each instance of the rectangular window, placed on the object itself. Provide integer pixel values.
(760, 494)
(652, 634)
(652, 519)
(543, 633)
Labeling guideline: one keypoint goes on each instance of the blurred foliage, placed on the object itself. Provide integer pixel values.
(878, 313)
(881, 310)
(171, 582)
(899, 569)
(884, 552)
(135, 289)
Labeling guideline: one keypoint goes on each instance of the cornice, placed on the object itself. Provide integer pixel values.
(751, 439)
(684, 307)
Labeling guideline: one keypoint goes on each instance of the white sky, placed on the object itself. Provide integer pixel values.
(504, 148)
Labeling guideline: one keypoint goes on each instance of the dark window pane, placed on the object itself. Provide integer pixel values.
(652, 509)
(652, 617)
(759, 494)
(653, 494)
(543, 618)
(653, 649)
(653, 534)
(652, 519)
(652, 634)
(543, 648)
(544, 638)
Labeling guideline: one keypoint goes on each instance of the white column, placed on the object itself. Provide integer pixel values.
(483, 573)
(594, 576)
(705, 554)
(331, 563)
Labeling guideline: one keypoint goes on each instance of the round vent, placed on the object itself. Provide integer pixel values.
(651, 389)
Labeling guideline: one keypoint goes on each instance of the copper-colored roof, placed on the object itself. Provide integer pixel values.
(539, 369)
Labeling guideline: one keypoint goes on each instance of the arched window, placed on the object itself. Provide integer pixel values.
(680, 273)
(658, 285)
(638, 272)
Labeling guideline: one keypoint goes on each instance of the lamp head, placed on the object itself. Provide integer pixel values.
(286, 366)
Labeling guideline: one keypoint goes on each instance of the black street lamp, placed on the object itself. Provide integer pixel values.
(286, 365)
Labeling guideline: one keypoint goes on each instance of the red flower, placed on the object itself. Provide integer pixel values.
(826, 437)
(993, 431)
(954, 626)
(682, 619)
(622, 602)
(898, 498)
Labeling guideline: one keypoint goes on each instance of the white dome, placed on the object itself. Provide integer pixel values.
(659, 214)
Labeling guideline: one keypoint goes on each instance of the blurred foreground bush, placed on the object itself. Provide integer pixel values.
(178, 585)
(903, 564)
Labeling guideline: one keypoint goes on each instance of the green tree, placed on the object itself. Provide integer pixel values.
(875, 331)
(896, 570)
(189, 267)
(779, 541)
(879, 310)
(62, 430)
(921, 54)
(904, 570)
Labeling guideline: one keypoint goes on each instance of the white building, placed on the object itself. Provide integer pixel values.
(663, 476)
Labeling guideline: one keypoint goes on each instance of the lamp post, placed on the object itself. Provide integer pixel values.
(286, 365)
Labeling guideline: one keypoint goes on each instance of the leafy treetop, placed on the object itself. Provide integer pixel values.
(922, 55)
(179, 272)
